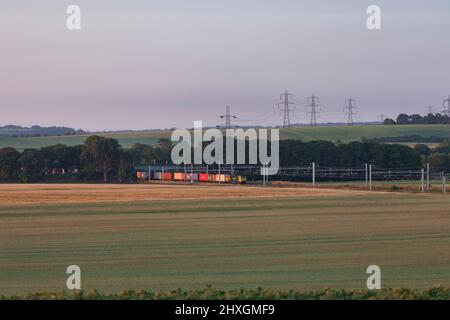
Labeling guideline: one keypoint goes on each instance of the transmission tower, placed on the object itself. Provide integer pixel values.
(285, 107)
(382, 117)
(349, 109)
(429, 110)
(446, 106)
(313, 109)
(228, 116)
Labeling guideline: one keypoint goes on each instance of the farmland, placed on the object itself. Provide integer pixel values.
(356, 133)
(331, 133)
(156, 237)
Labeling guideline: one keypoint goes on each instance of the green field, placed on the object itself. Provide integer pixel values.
(357, 133)
(332, 133)
(298, 243)
(126, 139)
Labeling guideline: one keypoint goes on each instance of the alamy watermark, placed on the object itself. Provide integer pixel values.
(73, 22)
(374, 18)
(191, 149)
(74, 280)
(374, 280)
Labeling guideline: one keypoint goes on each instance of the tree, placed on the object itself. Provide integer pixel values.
(61, 157)
(422, 149)
(32, 162)
(389, 122)
(9, 164)
(142, 154)
(403, 119)
(126, 166)
(101, 154)
(416, 119)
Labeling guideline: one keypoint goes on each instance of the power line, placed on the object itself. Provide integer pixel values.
(313, 105)
(349, 109)
(227, 116)
(286, 108)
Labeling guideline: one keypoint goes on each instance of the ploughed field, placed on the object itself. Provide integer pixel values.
(79, 193)
(169, 236)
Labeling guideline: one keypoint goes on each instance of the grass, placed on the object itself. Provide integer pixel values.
(331, 133)
(410, 186)
(300, 243)
(126, 139)
(356, 133)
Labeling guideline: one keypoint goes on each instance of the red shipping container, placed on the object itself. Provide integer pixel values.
(203, 177)
(167, 176)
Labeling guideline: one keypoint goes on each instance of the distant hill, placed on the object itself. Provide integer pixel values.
(388, 133)
(411, 134)
(37, 131)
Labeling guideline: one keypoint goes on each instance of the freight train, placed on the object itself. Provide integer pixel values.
(190, 177)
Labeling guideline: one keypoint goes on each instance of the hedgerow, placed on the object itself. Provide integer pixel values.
(209, 293)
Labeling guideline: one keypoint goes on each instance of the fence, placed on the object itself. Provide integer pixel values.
(366, 173)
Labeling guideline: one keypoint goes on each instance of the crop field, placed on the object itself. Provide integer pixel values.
(329, 133)
(356, 133)
(126, 139)
(156, 237)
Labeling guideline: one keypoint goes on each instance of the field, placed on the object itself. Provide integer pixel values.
(126, 139)
(356, 133)
(135, 237)
(331, 133)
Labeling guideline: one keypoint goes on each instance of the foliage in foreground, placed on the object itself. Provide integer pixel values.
(209, 293)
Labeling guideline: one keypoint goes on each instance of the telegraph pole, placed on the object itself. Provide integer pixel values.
(313, 105)
(349, 109)
(285, 107)
(228, 116)
(382, 117)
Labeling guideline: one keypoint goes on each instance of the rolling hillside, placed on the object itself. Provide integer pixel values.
(357, 133)
(336, 133)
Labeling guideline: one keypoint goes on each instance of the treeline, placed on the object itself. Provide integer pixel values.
(98, 159)
(37, 131)
(354, 154)
(103, 159)
(431, 118)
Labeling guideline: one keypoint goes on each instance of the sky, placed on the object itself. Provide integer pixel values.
(139, 64)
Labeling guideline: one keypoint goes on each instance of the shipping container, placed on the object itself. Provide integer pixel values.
(157, 176)
(192, 177)
(221, 178)
(178, 176)
(167, 176)
(204, 177)
(141, 175)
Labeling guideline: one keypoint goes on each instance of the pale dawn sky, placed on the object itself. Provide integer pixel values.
(164, 63)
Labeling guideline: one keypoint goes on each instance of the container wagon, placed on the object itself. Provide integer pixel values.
(158, 176)
(140, 175)
(221, 178)
(167, 176)
(178, 176)
(192, 177)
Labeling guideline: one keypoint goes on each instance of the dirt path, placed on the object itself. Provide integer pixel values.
(12, 194)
